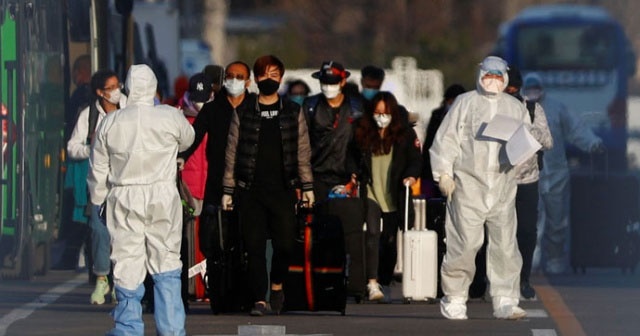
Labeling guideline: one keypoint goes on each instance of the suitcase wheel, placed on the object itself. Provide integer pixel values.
(343, 312)
(407, 300)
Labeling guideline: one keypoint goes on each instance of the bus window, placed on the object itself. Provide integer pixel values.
(566, 47)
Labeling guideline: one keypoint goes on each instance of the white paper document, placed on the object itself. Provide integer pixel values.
(199, 268)
(520, 144)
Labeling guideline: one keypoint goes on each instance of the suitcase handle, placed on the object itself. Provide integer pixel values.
(406, 208)
(606, 164)
(221, 236)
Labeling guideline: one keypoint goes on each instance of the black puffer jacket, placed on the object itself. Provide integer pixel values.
(242, 148)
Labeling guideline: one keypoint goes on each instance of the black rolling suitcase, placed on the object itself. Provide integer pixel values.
(226, 277)
(604, 220)
(317, 279)
(436, 213)
(350, 212)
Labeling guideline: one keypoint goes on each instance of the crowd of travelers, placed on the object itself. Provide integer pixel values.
(263, 155)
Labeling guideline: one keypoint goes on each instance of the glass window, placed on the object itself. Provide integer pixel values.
(566, 47)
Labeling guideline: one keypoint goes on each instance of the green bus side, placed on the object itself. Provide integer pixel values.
(33, 80)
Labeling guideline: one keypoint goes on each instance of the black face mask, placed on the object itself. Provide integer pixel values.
(268, 86)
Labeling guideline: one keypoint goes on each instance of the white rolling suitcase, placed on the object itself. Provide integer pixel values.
(420, 222)
(420, 259)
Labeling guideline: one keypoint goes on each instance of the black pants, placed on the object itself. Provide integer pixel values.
(267, 214)
(372, 238)
(527, 231)
(388, 247)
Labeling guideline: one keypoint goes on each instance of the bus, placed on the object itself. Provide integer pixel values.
(40, 38)
(584, 59)
(32, 62)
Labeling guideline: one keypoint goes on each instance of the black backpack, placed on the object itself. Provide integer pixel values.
(93, 121)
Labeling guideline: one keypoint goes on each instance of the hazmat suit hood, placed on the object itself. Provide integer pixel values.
(141, 84)
(492, 64)
(532, 88)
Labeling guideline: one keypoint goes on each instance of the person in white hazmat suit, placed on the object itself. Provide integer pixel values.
(133, 168)
(553, 225)
(480, 188)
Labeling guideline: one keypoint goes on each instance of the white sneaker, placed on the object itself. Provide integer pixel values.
(375, 291)
(509, 312)
(453, 308)
(102, 289)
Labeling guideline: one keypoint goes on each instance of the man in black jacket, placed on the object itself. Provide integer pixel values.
(267, 158)
(213, 121)
(329, 116)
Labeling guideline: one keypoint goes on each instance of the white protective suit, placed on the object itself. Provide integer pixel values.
(133, 167)
(553, 224)
(484, 194)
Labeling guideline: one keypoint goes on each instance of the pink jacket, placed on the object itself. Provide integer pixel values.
(195, 169)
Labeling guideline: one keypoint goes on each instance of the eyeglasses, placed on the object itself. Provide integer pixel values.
(113, 87)
(236, 76)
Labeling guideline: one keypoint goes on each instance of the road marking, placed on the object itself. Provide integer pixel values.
(543, 332)
(537, 313)
(40, 302)
(566, 321)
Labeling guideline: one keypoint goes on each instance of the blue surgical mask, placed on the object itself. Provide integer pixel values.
(297, 99)
(368, 93)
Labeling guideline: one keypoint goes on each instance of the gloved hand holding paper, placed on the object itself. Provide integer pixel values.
(520, 144)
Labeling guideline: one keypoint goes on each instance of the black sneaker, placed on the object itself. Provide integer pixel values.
(527, 292)
(259, 309)
(277, 301)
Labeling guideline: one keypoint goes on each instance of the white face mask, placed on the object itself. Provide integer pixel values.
(330, 90)
(198, 105)
(235, 87)
(382, 120)
(114, 96)
(533, 94)
(492, 85)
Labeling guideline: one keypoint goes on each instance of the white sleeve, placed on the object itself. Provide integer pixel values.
(99, 167)
(446, 144)
(187, 134)
(540, 129)
(77, 147)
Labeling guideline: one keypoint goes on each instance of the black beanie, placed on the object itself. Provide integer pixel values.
(515, 78)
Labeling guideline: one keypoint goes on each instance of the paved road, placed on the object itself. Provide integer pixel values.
(601, 302)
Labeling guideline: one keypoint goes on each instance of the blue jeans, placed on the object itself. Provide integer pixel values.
(168, 309)
(100, 243)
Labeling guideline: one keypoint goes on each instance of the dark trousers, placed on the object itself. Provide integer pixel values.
(267, 214)
(388, 247)
(527, 211)
(372, 238)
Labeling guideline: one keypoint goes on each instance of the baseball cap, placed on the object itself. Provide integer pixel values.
(200, 87)
(494, 65)
(331, 73)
